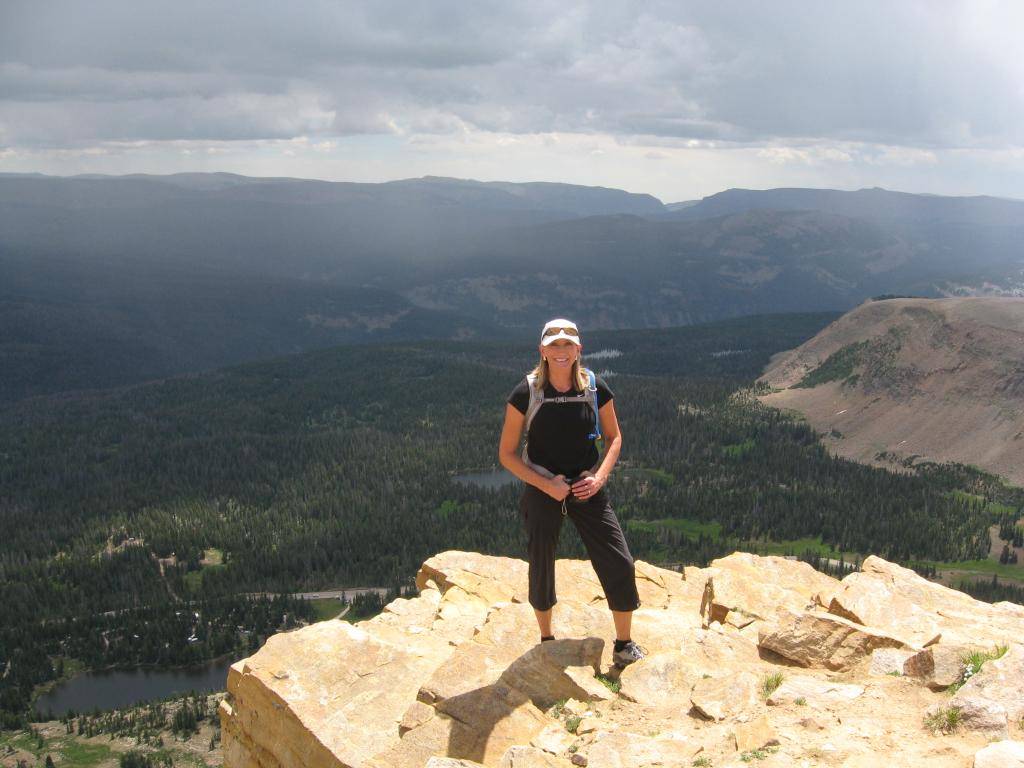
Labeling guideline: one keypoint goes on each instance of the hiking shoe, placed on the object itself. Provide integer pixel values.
(630, 652)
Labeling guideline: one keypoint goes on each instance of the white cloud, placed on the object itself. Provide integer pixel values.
(903, 156)
(779, 93)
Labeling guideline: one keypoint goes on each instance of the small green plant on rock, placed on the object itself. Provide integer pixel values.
(973, 662)
(572, 723)
(770, 683)
(613, 685)
(758, 754)
(558, 708)
(945, 720)
(702, 762)
(800, 701)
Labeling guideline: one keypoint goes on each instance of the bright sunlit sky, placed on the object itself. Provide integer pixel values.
(678, 99)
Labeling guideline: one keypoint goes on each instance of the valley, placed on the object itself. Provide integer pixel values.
(302, 474)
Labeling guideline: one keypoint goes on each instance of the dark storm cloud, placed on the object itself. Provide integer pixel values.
(927, 74)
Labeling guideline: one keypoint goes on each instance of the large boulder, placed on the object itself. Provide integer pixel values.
(899, 602)
(659, 679)
(823, 640)
(327, 695)
(744, 587)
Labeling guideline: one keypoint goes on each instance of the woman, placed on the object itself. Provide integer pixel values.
(556, 404)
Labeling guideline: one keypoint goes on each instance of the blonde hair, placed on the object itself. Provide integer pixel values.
(579, 373)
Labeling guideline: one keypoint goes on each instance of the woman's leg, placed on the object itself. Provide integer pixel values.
(609, 554)
(544, 622)
(623, 624)
(542, 522)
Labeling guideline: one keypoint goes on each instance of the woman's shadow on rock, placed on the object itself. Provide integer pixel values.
(510, 710)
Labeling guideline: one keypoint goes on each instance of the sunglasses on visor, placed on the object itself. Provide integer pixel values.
(555, 331)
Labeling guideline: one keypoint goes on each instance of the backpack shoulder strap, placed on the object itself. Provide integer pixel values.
(536, 400)
(596, 435)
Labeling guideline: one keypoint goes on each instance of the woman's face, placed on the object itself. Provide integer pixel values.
(560, 354)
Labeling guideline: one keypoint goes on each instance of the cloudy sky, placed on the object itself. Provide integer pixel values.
(679, 99)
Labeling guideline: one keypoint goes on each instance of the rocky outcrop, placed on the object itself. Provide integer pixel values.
(897, 601)
(752, 655)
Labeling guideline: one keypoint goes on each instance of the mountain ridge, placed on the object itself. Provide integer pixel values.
(903, 380)
(489, 253)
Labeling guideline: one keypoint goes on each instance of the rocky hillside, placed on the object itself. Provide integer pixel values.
(753, 660)
(903, 380)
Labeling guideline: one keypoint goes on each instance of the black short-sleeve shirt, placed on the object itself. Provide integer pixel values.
(557, 439)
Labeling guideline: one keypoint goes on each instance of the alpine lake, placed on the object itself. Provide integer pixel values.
(121, 688)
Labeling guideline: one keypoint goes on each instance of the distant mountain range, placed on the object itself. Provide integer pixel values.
(198, 270)
(877, 204)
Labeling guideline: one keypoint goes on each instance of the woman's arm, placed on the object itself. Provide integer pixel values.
(508, 455)
(612, 440)
(613, 445)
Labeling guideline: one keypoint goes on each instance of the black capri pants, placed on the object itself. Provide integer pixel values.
(601, 534)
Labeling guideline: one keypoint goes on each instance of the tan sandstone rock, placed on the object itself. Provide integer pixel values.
(622, 749)
(506, 648)
(480, 725)
(899, 602)
(329, 708)
(814, 692)
(456, 677)
(822, 640)
(1001, 754)
(976, 715)
(756, 734)
(531, 757)
(755, 587)
(999, 685)
(665, 677)
(725, 696)
(938, 666)
(658, 680)
(889, 661)
(553, 739)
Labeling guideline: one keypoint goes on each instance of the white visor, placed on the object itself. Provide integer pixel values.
(560, 328)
